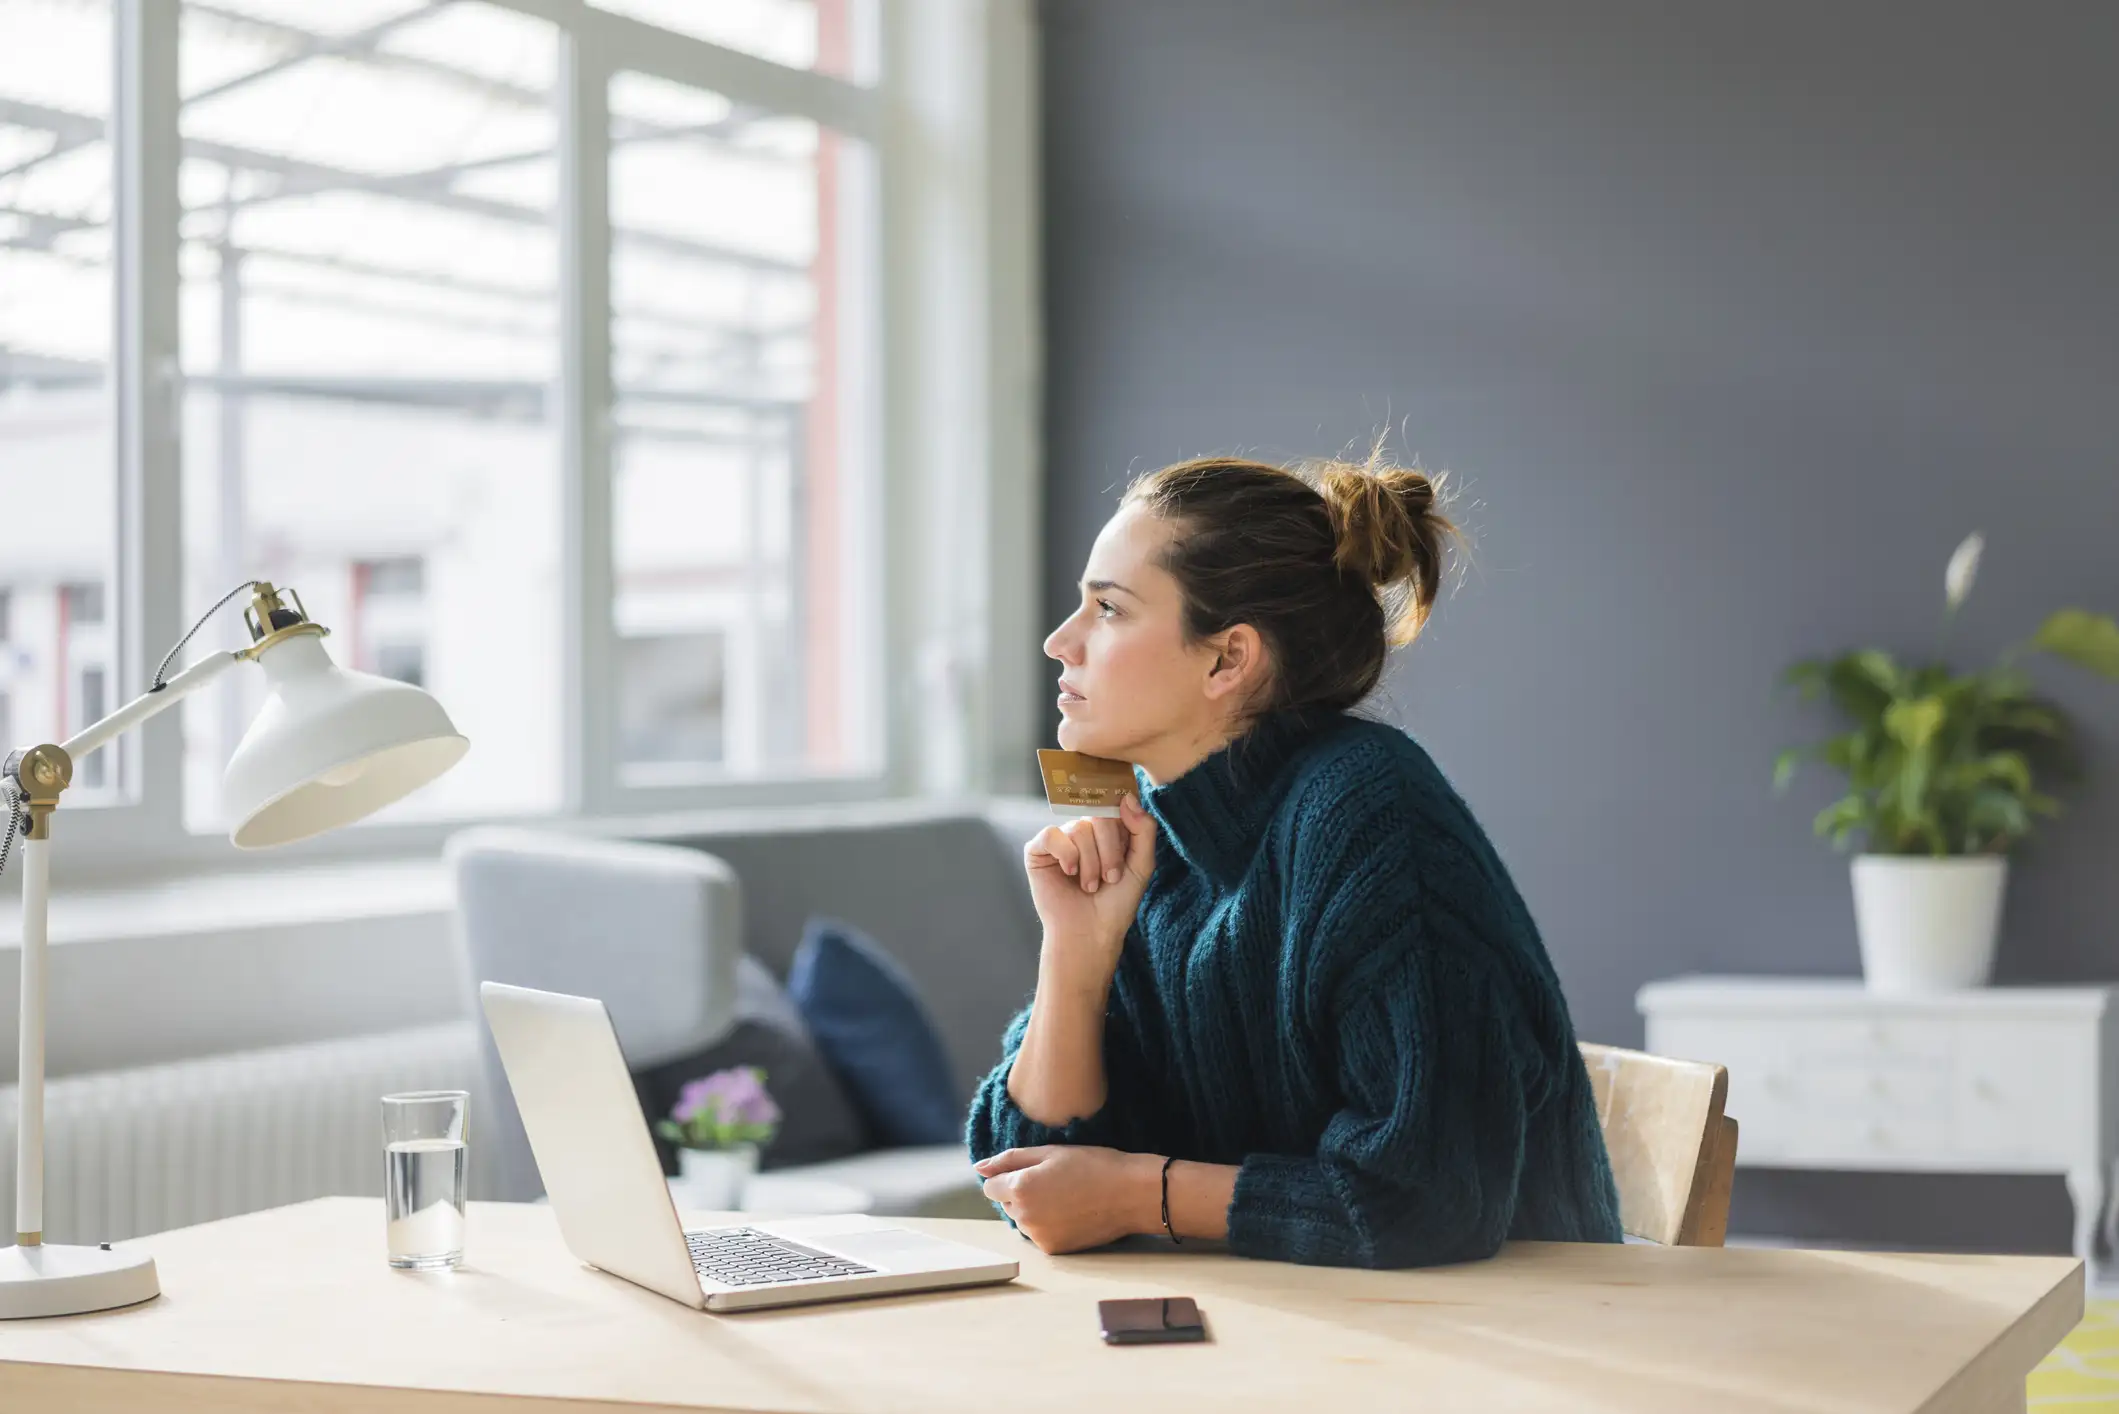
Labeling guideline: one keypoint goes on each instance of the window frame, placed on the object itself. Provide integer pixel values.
(950, 121)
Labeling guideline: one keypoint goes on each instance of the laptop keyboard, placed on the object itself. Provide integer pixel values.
(742, 1256)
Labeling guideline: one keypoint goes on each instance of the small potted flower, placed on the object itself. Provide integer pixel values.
(718, 1125)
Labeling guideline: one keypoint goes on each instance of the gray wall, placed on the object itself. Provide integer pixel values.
(1730, 320)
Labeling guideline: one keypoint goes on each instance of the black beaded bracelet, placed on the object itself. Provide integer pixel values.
(1166, 1202)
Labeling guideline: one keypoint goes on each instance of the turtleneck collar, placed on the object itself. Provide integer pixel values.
(1215, 813)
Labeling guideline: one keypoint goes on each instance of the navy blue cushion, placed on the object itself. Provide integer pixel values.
(866, 1017)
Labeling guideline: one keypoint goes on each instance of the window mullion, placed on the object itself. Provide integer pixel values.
(628, 43)
(744, 78)
(585, 414)
(148, 389)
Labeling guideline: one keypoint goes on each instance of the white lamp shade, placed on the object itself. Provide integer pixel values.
(330, 747)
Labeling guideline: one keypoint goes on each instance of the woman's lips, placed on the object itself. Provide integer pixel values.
(1067, 694)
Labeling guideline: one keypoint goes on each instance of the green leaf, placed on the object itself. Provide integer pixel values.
(1863, 684)
(1859, 684)
(1841, 818)
(1847, 753)
(1995, 818)
(1877, 666)
(2005, 685)
(1807, 677)
(2085, 639)
(1915, 723)
(1784, 765)
(2010, 768)
(2032, 718)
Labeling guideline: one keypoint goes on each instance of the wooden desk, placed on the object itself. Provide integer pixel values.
(294, 1309)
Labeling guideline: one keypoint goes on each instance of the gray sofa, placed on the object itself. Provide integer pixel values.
(653, 922)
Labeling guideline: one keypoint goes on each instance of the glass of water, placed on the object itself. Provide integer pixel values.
(423, 1177)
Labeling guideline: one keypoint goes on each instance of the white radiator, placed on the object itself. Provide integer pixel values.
(129, 1152)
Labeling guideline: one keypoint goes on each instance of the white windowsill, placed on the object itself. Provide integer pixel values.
(205, 903)
(297, 894)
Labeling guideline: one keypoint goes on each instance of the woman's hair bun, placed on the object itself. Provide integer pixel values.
(1376, 516)
(1388, 531)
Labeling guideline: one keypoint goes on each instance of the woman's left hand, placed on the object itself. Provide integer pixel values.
(1065, 1197)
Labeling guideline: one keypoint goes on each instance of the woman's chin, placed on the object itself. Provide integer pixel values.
(1074, 737)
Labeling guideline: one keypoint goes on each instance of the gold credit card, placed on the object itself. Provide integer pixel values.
(1080, 784)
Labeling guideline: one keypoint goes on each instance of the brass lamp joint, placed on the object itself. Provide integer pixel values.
(39, 775)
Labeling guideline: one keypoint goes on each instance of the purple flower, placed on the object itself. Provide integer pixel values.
(736, 1096)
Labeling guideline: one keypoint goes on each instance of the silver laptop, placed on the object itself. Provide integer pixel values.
(614, 1206)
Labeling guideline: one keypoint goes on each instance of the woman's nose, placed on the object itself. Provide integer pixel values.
(1058, 643)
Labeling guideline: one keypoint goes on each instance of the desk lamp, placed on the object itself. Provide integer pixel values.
(328, 748)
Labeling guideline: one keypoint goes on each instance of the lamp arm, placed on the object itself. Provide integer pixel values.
(149, 704)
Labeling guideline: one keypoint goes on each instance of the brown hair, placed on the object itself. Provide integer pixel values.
(1332, 562)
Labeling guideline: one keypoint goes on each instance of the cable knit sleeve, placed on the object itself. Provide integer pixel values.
(997, 1122)
(1422, 1163)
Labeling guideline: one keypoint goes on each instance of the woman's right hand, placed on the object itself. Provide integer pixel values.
(1086, 879)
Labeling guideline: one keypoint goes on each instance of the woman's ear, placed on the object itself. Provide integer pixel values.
(1239, 662)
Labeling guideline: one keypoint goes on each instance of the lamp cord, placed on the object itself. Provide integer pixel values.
(15, 817)
(13, 798)
(162, 673)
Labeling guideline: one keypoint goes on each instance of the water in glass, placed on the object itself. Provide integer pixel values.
(424, 1186)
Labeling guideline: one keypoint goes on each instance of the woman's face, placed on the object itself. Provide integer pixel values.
(1130, 687)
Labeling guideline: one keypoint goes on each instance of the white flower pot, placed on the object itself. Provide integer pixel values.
(714, 1179)
(1927, 925)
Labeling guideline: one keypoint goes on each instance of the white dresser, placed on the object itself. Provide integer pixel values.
(1825, 1075)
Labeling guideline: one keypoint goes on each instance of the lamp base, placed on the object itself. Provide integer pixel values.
(58, 1280)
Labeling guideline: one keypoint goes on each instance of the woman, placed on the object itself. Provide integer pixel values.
(1290, 997)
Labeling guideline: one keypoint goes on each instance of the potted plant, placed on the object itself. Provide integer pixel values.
(1943, 773)
(718, 1124)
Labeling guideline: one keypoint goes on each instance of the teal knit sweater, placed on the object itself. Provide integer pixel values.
(1332, 983)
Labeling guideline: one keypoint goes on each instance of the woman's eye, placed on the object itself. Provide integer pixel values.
(1106, 606)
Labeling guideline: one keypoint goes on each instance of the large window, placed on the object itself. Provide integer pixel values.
(56, 322)
(370, 335)
(735, 326)
(542, 346)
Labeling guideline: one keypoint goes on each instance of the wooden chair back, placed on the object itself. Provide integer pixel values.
(1673, 1151)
